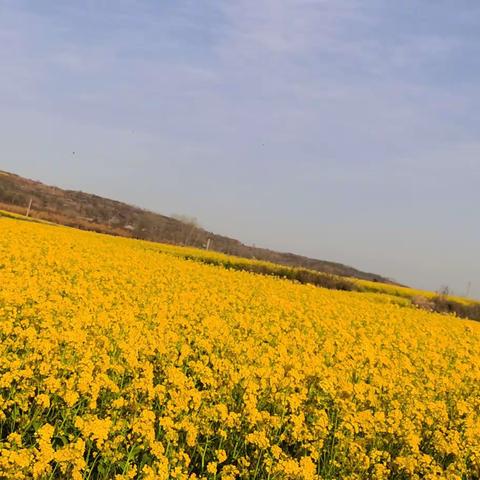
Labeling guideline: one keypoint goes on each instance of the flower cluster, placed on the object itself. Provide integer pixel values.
(119, 359)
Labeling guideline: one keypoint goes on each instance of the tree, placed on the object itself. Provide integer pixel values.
(190, 225)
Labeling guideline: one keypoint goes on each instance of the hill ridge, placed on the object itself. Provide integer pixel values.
(94, 212)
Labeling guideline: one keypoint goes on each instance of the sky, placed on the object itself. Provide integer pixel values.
(339, 129)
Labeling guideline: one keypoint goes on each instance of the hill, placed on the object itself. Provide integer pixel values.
(92, 212)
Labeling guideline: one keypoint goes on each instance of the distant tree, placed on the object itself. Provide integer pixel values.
(444, 291)
(143, 228)
(187, 219)
(190, 225)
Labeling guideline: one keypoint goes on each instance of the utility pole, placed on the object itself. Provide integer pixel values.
(208, 244)
(29, 206)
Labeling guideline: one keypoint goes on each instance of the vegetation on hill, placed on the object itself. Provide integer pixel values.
(91, 212)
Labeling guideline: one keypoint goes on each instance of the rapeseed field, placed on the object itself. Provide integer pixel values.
(122, 361)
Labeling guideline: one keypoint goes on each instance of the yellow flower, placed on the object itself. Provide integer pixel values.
(212, 467)
(154, 361)
(221, 456)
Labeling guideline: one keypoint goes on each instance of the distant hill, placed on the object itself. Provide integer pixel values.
(92, 212)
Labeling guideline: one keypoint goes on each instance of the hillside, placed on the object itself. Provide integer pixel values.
(92, 212)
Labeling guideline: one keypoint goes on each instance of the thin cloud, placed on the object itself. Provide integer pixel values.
(329, 111)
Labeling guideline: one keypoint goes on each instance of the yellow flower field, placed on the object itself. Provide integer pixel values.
(119, 360)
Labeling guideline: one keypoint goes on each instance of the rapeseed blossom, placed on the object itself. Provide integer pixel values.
(119, 359)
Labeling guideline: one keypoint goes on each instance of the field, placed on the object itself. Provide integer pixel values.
(125, 359)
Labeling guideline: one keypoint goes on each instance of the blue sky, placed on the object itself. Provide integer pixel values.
(341, 129)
